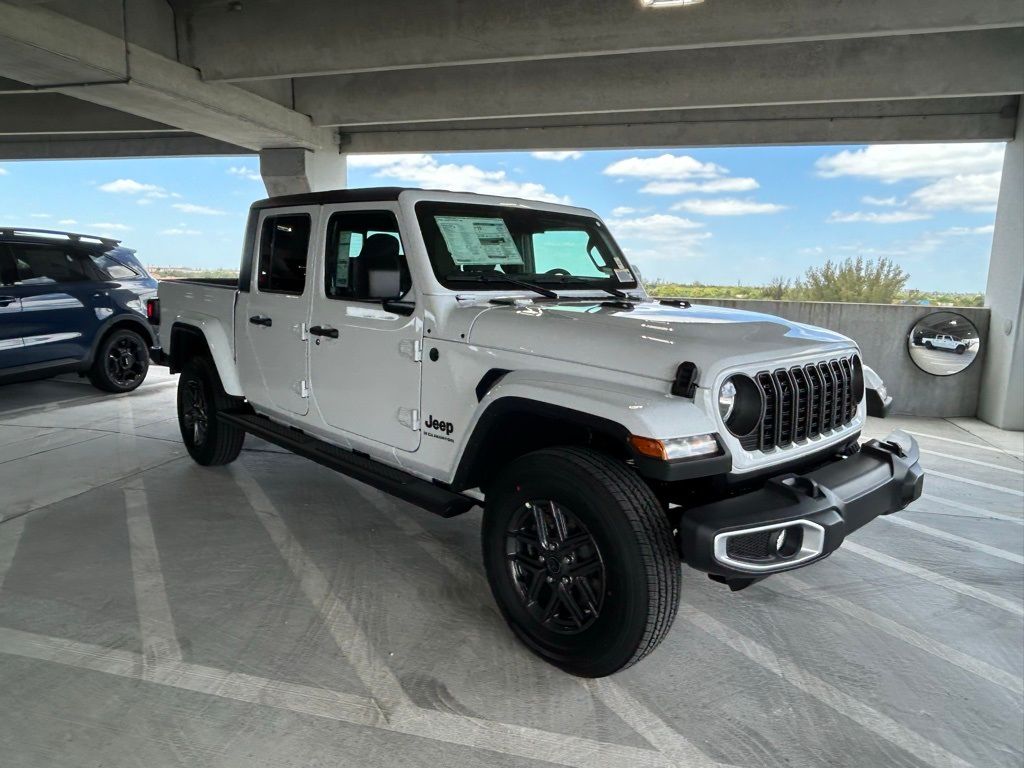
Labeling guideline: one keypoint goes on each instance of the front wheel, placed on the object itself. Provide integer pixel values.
(581, 560)
(201, 397)
(961, 349)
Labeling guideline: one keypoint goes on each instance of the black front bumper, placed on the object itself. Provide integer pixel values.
(741, 538)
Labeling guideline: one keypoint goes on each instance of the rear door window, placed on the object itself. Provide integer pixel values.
(45, 263)
(284, 250)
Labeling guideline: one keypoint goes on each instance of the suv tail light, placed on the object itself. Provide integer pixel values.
(153, 311)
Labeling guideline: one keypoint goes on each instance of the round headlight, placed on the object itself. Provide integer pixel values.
(740, 403)
(726, 399)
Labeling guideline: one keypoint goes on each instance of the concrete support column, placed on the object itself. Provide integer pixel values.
(1002, 386)
(293, 171)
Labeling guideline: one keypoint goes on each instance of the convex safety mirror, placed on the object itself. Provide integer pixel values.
(943, 343)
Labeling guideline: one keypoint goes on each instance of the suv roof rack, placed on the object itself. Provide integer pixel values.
(72, 236)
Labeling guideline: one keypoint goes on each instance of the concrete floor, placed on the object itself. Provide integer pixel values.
(272, 613)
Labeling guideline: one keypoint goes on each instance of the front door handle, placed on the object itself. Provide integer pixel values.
(323, 330)
(261, 320)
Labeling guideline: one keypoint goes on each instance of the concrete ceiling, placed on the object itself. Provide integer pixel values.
(147, 77)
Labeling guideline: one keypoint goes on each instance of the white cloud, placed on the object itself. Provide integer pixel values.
(113, 227)
(424, 171)
(202, 210)
(738, 184)
(667, 167)
(975, 191)
(657, 226)
(883, 202)
(245, 172)
(987, 229)
(727, 206)
(814, 250)
(67, 222)
(179, 231)
(40, 216)
(623, 210)
(895, 162)
(132, 187)
(558, 157)
(4, 172)
(873, 217)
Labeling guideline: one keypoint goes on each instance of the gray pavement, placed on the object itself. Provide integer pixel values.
(273, 613)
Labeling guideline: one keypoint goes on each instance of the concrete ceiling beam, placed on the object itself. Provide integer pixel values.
(45, 49)
(988, 62)
(318, 37)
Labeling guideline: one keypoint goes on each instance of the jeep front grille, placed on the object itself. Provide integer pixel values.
(804, 401)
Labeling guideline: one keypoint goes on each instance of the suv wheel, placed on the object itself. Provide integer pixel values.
(201, 397)
(581, 560)
(121, 363)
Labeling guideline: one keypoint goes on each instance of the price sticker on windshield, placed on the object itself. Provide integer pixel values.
(474, 240)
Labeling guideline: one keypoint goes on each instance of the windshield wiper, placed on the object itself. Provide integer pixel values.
(584, 282)
(499, 277)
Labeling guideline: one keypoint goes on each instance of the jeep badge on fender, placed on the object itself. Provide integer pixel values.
(598, 475)
(445, 427)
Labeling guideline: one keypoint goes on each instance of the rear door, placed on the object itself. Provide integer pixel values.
(270, 320)
(62, 303)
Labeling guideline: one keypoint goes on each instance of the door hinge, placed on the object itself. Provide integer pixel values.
(303, 389)
(411, 348)
(410, 418)
(303, 334)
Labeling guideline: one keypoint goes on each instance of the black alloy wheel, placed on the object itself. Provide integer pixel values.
(121, 362)
(210, 441)
(195, 417)
(556, 566)
(580, 558)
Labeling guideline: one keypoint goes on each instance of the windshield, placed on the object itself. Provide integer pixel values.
(474, 246)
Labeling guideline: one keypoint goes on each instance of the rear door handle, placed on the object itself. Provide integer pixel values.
(7, 300)
(261, 320)
(323, 330)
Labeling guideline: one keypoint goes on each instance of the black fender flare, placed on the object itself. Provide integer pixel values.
(476, 462)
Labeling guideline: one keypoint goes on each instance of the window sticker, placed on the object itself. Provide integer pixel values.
(473, 240)
(623, 275)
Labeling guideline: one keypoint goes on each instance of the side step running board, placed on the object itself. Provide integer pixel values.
(401, 484)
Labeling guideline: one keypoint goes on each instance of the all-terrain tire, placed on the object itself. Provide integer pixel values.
(641, 567)
(202, 397)
(121, 362)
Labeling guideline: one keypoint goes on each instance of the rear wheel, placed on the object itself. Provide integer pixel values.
(201, 397)
(121, 362)
(960, 349)
(581, 560)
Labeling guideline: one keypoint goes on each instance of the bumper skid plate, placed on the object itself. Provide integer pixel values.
(795, 520)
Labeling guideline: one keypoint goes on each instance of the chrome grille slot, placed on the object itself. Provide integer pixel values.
(803, 402)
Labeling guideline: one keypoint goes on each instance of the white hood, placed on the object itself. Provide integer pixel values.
(649, 339)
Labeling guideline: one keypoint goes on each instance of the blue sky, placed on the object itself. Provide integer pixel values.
(714, 215)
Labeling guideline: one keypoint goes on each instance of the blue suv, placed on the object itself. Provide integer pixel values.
(73, 303)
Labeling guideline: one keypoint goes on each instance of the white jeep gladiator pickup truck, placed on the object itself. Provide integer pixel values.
(457, 350)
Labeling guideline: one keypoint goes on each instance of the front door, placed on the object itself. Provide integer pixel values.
(270, 321)
(365, 357)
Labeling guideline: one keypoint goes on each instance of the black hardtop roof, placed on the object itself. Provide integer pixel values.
(356, 195)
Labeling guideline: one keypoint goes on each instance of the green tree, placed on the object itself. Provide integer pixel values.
(854, 280)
